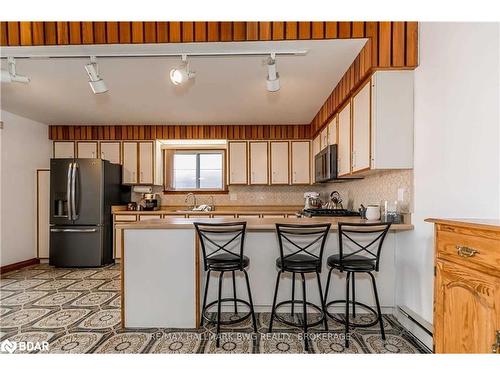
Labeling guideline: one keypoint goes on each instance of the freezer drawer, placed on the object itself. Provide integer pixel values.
(77, 246)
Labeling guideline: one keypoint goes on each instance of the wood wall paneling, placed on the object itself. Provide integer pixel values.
(188, 32)
(87, 33)
(411, 44)
(137, 32)
(384, 52)
(278, 30)
(3, 34)
(100, 32)
(112, 33)
(147, 132)
(75, 33)
(252, 31)
(162, 32)
(265, 30)
(200, 31)
(239, 31)
(13, 33)
(124, 29)
(25, 30)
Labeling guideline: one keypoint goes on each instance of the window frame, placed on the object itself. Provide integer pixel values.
(168, 169)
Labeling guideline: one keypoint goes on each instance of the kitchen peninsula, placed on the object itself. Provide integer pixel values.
(162, 271)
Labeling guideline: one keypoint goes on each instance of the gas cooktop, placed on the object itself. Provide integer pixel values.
(310, 212)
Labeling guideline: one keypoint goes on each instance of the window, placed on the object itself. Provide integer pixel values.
(197, 170)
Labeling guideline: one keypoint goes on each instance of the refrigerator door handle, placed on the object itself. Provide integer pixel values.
(73, 230)
(73, 191)
(68, 191)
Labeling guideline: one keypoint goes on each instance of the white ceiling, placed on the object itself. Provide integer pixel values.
(226, 90)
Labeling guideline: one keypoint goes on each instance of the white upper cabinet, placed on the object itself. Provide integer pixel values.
(111, 151)
(392, 120)
(344, 141)
(130, 163)
(259, 169)
(301, 155)
(86, 150)
(146, 162)
(238, 163)
(332, 131)
(324, 137)
(361, 129)
(64, 149)
(279, 163)
(316, 146)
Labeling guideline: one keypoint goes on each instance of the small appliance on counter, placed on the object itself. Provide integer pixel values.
(311, 200)
(150, 202)
(131, 206)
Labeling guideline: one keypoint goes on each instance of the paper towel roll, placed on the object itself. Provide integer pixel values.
(143, 189)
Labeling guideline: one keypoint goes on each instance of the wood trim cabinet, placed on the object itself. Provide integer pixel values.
(259, 163)
(280, 164)
(110, 151)
(238, 163)
(466, 287)
(344, 141)
(141, 164)
(300, 166)
(63, 149)
(361, 129)
(86, 150)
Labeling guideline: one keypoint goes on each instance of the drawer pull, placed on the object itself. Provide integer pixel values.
(466, 252)
(496, 346)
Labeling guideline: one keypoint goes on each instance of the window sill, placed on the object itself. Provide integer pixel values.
(197, 192)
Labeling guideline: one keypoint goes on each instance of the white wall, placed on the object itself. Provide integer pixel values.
(24, 149)
(457, 144)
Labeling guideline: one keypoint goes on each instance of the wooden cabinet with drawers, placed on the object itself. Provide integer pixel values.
(467, 286)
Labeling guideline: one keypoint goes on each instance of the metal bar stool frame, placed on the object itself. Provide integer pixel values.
(345, 230)
(238, 229)
(284, 231)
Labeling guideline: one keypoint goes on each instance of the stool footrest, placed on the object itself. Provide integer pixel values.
(352, 324)
(227, 322)
(299, 325)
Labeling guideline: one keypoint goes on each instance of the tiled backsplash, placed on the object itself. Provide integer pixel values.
(372, 189)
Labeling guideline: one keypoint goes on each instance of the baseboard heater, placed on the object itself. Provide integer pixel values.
(417, 319)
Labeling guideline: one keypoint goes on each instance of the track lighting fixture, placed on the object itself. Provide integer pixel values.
(10, 74)
(273, 77)
(95, 81)
(181, 74)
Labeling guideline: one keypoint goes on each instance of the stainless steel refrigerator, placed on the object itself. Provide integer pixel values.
(82, 192)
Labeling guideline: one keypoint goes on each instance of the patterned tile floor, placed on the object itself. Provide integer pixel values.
(78, 311)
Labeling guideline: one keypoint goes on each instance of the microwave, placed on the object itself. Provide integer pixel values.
(325, 164)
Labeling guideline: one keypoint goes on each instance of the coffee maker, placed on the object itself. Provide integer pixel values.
(150, 202)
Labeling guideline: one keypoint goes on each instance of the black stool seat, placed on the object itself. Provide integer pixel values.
(355, 263)
(299, 263)
(227, 262)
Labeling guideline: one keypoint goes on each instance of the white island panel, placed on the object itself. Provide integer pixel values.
(159, 269)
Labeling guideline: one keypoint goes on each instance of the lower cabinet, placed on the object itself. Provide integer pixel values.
(467, 311)
(466, 288)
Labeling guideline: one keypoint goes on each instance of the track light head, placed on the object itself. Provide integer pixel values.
(10, 75)
(181, 74)
(273, 77)
(96, 83)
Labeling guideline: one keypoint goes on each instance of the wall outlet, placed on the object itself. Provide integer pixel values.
(233, 196)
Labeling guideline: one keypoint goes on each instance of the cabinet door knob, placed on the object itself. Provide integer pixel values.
(466, 252)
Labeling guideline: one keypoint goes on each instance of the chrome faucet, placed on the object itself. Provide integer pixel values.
(194, 200)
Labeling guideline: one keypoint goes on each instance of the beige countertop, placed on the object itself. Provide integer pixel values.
(252, 224)
(219, 210)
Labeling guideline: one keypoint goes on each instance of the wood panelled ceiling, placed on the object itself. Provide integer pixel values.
(391, 45)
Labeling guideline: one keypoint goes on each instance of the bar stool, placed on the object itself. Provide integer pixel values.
(364, 242)
(301, 251)
(222, 246)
